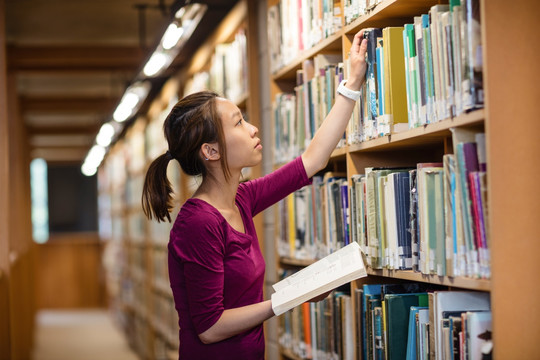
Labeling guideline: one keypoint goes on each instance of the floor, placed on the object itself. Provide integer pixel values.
(81, 335)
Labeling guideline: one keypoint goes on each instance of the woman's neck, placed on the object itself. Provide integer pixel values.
(218, 192)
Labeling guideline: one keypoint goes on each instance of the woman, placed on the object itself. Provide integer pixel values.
(216, 268)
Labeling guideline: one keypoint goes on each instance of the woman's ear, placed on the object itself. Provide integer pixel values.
(210, 151)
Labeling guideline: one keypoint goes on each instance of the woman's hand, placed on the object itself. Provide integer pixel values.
(357, 60)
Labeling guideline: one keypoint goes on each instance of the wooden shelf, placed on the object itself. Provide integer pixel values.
(459, 282)
(427, 134)
(390, 12)
(291, 262)
(330, 44)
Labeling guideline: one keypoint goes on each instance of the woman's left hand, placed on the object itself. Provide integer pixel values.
(357, 59)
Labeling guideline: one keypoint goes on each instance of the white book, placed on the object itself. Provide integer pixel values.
(455, 301)
(332, 271)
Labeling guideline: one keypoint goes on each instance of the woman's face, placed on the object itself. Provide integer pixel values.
(244, 148)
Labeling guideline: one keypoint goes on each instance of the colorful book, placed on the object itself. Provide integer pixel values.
(446, 301)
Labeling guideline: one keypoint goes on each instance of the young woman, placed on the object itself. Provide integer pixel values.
(216, 268)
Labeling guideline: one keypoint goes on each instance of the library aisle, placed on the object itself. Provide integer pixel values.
(79, 334)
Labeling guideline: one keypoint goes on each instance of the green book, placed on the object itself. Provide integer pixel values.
(398, 307)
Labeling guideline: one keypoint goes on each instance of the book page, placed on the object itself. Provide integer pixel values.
(336, 269)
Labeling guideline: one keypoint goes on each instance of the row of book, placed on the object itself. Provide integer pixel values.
(164, 317)
(160, 269)
(431, 218)
(298, 115)
(391, 321)
(417, 74)
(421, 321)
(297, 25)
(313, 221)
(422, 72)
(227, 74)
(353, 9)
(320, 330)
(443, 52)
(138, 330)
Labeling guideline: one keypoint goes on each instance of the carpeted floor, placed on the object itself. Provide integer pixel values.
(79, 335)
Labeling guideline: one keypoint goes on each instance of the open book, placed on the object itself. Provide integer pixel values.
(332, 271)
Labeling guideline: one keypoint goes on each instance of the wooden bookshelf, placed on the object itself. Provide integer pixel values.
(508, 120)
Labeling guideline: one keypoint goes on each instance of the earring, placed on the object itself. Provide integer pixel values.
(206, 159)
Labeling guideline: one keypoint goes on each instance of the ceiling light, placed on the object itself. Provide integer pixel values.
(105, 135)
(156, 63)
(131, 100)
(171, 36)
(93, 160)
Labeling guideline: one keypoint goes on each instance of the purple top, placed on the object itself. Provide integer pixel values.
(213, 267)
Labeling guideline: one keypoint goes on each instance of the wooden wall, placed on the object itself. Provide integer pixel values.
(17, 308)
(68, 272)
(4, 189)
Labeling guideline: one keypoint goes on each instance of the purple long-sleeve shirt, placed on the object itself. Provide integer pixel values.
(213, 267)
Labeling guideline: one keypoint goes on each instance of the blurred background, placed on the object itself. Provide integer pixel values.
(75, 77)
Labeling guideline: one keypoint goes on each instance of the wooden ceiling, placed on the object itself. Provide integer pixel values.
(73, 59)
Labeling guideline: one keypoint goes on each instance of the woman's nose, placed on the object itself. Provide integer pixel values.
(254, 130)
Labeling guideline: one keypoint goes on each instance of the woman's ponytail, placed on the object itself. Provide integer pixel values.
(157, 200)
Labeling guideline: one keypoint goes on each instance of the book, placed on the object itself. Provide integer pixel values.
(430, 216)
(466, 162)
(402, 202)
(472, 82)
(412, 336)
(446, 301)
(370, 85)
(370, 293)
(332, 271)
(449, 213)
(478, 333)
(395, 105)
(398, 309)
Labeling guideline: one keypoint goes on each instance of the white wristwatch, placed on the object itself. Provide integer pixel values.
(348, 93)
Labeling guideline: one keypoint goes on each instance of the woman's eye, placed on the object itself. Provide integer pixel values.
(239, 122)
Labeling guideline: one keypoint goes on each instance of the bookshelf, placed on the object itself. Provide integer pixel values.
(508, 143)
(136, 248)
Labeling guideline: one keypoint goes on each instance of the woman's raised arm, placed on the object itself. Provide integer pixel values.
(317, 154)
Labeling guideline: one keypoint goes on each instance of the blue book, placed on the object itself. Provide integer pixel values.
(411, 337)
(370, 291)
(378, 335)
(380, 77)
(371, 72)
(402, 201)
(345, 211)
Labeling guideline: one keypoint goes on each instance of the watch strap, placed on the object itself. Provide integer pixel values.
(348, 93)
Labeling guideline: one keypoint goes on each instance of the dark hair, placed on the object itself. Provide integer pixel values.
(193, 121)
